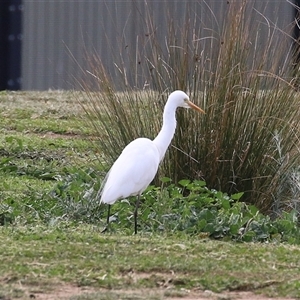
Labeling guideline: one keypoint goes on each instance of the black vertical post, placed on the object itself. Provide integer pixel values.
(10, 44)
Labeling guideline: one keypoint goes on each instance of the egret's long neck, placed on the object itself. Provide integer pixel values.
(164, 138)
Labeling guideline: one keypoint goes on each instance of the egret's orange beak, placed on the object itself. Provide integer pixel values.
(194, 106)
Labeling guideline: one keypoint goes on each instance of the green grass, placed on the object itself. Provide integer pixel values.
(41, 112)
(37, 148)
(83, 256)
(51, 240)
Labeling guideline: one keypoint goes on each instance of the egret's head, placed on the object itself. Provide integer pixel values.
(181, 99)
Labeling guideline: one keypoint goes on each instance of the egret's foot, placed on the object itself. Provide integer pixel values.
(105, 229)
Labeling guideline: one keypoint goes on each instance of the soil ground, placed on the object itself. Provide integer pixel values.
(65, 291)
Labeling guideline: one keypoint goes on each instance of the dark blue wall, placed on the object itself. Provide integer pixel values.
(10, 44)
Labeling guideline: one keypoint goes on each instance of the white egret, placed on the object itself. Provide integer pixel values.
(138, 163)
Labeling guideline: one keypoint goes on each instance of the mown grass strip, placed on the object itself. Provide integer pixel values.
(84, 256)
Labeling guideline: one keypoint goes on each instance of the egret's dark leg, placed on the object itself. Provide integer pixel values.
(107, 220)
(108, 215)
(135, 213)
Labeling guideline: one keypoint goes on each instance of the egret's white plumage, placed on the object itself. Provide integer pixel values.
(138, 163)
(128, 175)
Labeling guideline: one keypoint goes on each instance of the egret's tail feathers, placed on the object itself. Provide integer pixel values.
(99, 194)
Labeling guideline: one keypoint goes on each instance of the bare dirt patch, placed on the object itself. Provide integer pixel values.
(67, 291)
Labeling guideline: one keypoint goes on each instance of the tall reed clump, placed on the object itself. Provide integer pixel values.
(242, 74)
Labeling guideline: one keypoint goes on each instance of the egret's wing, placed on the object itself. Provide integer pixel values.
(132, 172)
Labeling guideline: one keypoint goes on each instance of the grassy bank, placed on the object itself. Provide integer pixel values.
(43, 139)
(42, 256)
